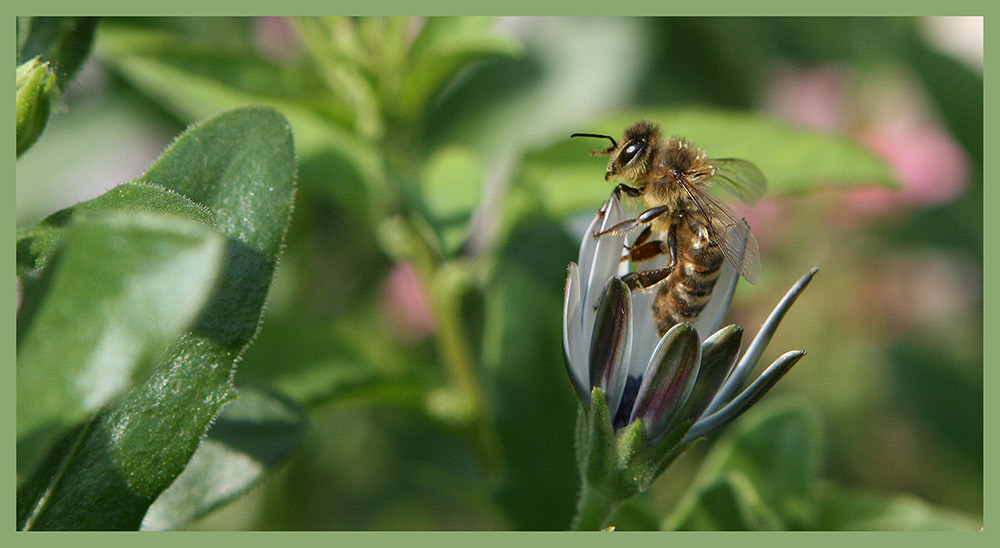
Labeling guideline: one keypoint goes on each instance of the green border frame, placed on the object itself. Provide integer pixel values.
(648, 7)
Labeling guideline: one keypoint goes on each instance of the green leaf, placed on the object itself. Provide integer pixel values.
(182, 73)
(35, 90)
(855, 510)
(124, 288)
(64, 42)
(776, 448)
(37, 244)
(444, 45)
(452, 184)
(250, 438)
(104, 475)
(794, 160)
(730, 503)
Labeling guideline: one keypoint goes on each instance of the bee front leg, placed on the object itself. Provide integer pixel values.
(645, 217)
(622, 188)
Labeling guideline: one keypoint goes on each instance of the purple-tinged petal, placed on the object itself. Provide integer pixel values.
(669, 380)
(611, 343)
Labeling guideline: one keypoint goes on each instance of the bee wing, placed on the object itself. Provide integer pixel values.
(730, 233)
(740, 177)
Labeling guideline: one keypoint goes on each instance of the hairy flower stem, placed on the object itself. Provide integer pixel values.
(594, 510)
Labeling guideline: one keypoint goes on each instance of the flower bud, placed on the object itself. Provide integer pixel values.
(36, 86)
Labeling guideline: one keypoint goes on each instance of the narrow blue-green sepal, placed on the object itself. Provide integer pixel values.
(669, 379)
(747, 398)
(611, 342)
(742, 371)
(718, 356)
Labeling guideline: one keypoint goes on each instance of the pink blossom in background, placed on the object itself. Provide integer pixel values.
(929, 164)
(814, 97)
(405, 304)
(275, 38)
(931, 167)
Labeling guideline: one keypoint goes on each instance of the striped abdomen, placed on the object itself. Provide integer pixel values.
(685, 292)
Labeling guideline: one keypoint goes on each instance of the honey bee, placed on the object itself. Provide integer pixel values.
(692, 227)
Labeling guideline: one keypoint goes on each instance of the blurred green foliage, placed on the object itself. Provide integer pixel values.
(415, 315)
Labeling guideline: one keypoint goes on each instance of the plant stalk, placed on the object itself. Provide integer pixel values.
(595, 510)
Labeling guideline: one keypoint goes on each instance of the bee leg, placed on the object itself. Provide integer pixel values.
(642, 237)
(646, 278)
(649, 278)
(631, 224)
(622, 188)
(640, 250)
(644, 252)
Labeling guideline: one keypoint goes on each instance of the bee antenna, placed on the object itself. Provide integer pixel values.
(599, 136)
(614, 144)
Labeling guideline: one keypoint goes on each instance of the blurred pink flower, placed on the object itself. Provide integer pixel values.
(275, 38)
(814, 97)
(405, 304)
(931, 167)
(929, 164)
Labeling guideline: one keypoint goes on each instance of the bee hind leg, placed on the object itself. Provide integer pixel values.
(642, 279)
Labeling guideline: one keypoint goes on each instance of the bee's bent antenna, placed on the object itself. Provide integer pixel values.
(614, 144)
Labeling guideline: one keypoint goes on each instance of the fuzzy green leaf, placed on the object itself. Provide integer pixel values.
(775, 449)
(124, 288)
(250, 438)
(854, 510)
(451, 185)
(194, 77)
(37, 244)
(106, 473)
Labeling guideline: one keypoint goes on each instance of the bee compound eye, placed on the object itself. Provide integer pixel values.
(631, 150)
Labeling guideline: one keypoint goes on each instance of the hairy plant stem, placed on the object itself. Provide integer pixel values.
(594, 510)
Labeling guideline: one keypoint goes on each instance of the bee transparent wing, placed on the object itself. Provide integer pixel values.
(740, 177)
(731, 234)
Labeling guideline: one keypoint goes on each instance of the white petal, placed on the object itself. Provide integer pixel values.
(607, 255)
(588, 246)
(645, 336)
(573, 344)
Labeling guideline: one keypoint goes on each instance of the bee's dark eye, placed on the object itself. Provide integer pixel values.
(630, 151)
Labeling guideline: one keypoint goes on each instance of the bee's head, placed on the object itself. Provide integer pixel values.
(634, 158)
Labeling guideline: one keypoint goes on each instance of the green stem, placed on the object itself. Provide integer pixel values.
(595, 510)
(459, 360)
